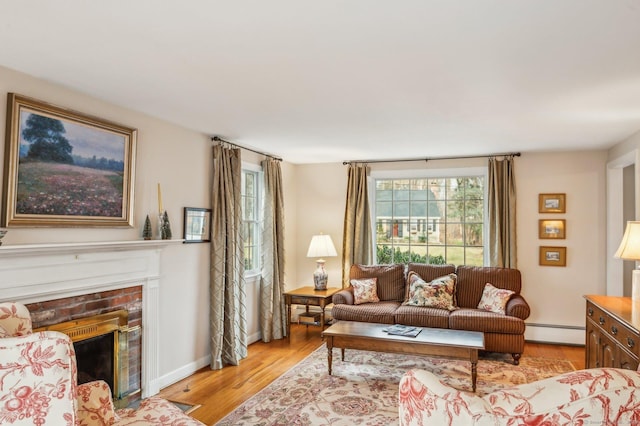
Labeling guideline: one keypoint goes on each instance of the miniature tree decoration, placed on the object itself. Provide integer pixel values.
(146, 230)
(165, 228)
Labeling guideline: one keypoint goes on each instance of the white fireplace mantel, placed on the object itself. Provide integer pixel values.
(31, 273)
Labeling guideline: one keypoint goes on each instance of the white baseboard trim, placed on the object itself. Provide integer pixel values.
(550, 333)
(254, 337)
(189, 369)
(184, 371)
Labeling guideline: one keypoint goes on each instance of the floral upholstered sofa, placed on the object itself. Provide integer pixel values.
(485, 299)
(599, 396)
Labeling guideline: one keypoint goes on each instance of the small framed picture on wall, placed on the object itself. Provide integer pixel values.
(552, 203)
(552, 229)
(553, 256)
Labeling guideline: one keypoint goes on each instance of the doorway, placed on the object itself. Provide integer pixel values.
(621, 207)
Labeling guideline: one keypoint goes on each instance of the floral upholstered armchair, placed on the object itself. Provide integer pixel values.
(38, 384)
(598, 396)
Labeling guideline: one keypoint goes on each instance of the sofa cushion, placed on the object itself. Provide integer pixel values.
(430, 272)
(381, 312)
(364, 291)
(391, 282)
(472, 279)
(419, 316)
(485, 321)
(434, 294)
(494, 299)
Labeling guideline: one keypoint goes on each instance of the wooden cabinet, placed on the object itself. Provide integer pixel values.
(612, 332)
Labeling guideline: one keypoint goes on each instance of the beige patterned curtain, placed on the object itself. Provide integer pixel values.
(273, 320)
(356, 241)
(227, 289)
(502, 213)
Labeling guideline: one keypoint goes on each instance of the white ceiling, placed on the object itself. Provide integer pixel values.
(324, 81)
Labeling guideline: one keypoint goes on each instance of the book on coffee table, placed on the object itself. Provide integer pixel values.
(403, 330)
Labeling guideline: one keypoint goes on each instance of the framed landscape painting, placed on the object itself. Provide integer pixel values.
(66, 169)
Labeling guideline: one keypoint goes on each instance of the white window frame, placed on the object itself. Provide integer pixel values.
(460, 172)
(257, 170)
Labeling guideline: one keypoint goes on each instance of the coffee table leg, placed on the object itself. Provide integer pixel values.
(342, 354)
(474, 369)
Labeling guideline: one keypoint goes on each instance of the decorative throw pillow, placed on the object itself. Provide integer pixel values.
(365, 290)
(435, 294)
(494, 299)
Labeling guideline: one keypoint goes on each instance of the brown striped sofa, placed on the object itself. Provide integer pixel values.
(502, 333)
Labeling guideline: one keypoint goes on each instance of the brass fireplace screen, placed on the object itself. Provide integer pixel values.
(101, 343)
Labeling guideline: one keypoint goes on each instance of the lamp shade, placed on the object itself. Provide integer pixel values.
(630, 246)
(321, 246)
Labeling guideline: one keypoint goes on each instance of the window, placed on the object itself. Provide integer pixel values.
(251, 218)
(430, 219)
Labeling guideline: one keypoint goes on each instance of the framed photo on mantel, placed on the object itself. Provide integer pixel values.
(197, 225)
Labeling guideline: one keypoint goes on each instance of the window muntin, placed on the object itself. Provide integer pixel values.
(430, 219)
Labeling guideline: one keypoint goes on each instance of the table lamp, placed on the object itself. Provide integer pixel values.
(321, 246)
(630, 250)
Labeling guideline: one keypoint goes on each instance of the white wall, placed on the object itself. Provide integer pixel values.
(320, 195)
(555, 293)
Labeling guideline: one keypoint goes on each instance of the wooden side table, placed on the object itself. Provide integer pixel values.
(308, 296)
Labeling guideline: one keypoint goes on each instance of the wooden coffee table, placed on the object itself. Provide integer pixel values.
(430, 341)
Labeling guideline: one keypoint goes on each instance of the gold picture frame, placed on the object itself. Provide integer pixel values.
(553, 256)
(65, 169)
(552, 229)
(552, 203)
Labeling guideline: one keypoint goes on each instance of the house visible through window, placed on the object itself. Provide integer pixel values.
(251, 217)
(430, 220)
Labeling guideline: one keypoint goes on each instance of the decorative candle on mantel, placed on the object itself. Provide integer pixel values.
(159, 200)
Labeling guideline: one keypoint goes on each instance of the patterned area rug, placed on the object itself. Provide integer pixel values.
(363, 389)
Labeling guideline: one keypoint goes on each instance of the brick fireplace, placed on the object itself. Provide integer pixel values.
(71, 281)
(105, 328)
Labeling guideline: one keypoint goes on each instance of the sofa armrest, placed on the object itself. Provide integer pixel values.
(344, 296)
(518, 307)
(95, 406)
(571, 393)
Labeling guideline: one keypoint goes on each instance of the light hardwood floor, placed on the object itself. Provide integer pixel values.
(219, 392)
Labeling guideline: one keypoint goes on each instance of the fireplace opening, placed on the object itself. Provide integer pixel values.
(95, 360)
(101, 344)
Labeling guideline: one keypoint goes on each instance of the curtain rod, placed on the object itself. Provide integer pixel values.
(398, 160)
(218, 139)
